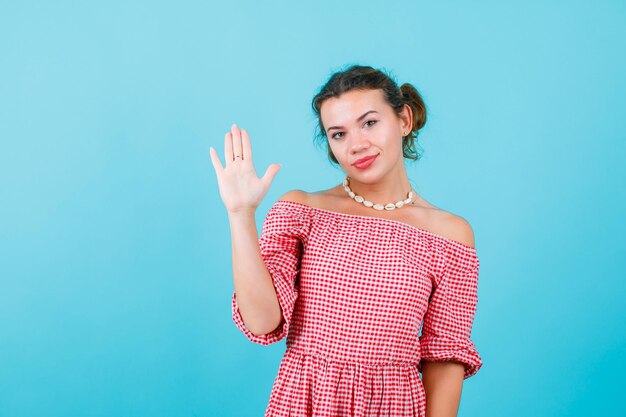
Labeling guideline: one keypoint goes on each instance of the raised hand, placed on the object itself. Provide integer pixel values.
(240, 187)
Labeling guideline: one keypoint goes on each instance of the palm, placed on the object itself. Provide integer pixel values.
(240, 187)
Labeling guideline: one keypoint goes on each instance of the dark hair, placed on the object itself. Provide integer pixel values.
(359, 77)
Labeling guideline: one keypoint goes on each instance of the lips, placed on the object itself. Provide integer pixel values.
(364, 160)
(365, 163)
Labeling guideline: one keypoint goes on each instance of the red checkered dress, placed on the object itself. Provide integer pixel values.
(354, 291)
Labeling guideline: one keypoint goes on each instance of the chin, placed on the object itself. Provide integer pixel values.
(367, 177)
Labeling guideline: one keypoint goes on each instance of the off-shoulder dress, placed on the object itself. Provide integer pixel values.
(355, 292)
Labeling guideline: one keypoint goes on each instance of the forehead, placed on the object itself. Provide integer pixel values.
(350, 105)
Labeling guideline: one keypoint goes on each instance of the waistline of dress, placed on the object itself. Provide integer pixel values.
(373, 364)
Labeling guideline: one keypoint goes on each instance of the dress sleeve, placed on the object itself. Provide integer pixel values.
(450, 314)
(282, 238)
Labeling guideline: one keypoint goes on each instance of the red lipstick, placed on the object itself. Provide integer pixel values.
(364, 162)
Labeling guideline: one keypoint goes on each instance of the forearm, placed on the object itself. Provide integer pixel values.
(443, 382)
(254, 289)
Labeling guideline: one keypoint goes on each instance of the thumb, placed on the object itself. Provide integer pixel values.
(270, 173)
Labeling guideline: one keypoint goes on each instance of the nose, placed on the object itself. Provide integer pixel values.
(359, 142)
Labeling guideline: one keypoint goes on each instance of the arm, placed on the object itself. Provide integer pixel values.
(443, 382)
(255, 292)
(448, 354)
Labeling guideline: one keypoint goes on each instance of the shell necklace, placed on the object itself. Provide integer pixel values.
(366, 203)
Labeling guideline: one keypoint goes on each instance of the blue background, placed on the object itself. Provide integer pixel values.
(115, 268)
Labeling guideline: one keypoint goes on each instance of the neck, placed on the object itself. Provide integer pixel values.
(391, 189)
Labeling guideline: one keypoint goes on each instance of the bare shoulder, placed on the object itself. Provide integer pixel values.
(444, 223)
(457, 228)
(315, 198)
(296, 196)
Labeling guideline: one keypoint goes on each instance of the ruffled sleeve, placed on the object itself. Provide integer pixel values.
(283, 235)
(448, 320)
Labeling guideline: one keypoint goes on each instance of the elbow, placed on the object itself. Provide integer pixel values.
(263, 330)
(260, 322)
(264, 327)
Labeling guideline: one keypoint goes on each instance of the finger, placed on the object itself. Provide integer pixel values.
(245, 146)
(270, 173)
(228, 149)
(236, 142)
(215, 159)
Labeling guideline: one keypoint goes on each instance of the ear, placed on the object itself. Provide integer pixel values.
(407, 118)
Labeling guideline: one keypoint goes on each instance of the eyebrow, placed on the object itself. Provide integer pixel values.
(361, 117)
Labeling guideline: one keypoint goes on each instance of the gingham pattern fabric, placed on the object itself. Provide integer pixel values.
(355, 291)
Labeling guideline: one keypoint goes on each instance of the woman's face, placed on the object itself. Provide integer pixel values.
(360, 124)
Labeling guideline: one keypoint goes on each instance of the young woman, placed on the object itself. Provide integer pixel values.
(352, 273)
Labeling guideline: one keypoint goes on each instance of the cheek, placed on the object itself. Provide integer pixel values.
(391, 141)
(335, 148)
(335, 151)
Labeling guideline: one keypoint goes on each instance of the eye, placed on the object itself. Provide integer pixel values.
(373, 122)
